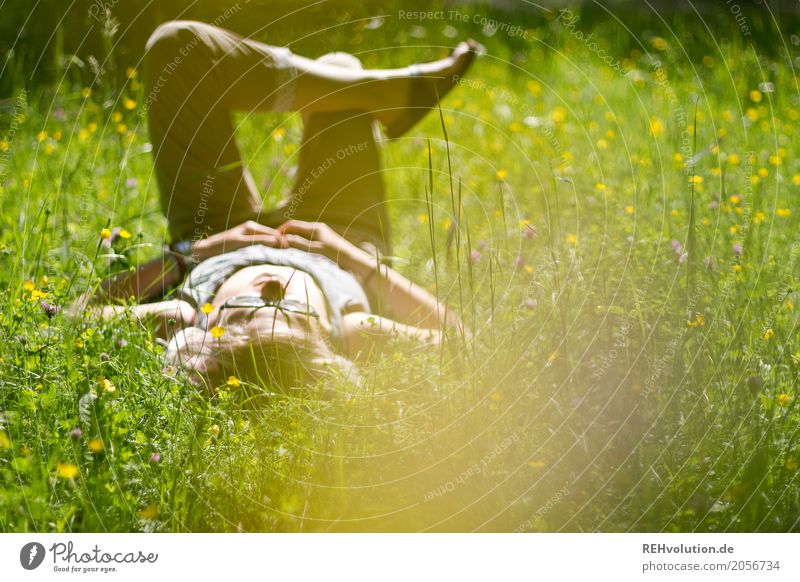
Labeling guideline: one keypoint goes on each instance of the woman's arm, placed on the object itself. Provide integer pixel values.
(155, 278)
(365, 333)
(147, 281)
(166, 315)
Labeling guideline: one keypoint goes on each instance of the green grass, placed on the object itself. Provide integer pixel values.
(635, 357)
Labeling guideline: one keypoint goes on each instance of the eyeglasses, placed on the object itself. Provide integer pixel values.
(254, 302)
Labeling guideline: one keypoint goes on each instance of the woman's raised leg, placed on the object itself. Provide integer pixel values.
(196, 74)
(339, 175)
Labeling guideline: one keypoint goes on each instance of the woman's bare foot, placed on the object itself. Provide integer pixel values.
(427, 84)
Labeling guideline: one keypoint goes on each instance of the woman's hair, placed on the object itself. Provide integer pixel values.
(273, 359)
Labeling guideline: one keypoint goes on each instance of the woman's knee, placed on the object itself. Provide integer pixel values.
(341, 59)
(172, 42)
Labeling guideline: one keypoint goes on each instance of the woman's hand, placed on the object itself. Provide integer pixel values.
(318, 237)
(246, 234)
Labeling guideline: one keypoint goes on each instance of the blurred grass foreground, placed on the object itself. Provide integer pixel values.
(614, 214)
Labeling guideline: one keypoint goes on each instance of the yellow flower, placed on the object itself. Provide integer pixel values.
(783, 212)
(92, 127)
(217, 331)
(677, 158)
(233, 382)
(86, 92)
(422, 218)
(150, 512)
(553, 356)
(775, 160)
(207, 308)
(769, 334)
(572, 239)
(796, 179)
(130, 72)
(600, 186)
(29, 285)
(124, 233)
(213, 430)
(83, 134)
(658, 43)
(36, 294)
(96, 446)
(41, 136)
(789, 305)
(105, 233)
(67, 470)
(755, 96)
(656, 127)
(675, 212)
(4, 145)
(116, 117)
(501, 174)
(733, 159)
(735, 199)
(763, 172)
(737, 268)
(122, 128)
(696, 180)
(629, 210)
(5, 442)
(278, 134)
(699, 320)
(784, 399)
(752, 114)
(106, 385)
(558, 114)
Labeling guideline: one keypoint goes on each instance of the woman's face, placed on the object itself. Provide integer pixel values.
(271, 283)
(268, 344)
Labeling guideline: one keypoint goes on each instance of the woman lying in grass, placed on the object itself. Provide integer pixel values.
(288, 293)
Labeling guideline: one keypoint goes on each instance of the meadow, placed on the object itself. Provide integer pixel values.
(614, 216)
